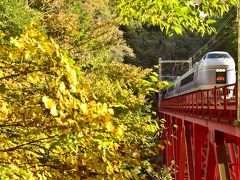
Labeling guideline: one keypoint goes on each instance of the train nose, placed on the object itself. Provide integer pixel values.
(217, 61)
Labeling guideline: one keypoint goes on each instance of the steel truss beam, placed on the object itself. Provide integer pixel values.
(201, 149)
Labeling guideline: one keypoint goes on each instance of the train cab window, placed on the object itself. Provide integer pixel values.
(217, 55)
(187, 79)
(171, 88)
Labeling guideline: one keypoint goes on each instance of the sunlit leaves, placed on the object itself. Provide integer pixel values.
(173, 16)
(65, 118)
(50, 104)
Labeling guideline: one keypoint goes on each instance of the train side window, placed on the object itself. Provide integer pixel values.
(187, 79)
(164, 92)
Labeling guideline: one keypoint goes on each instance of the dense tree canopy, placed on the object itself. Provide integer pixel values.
(69, 107)
(174, 15)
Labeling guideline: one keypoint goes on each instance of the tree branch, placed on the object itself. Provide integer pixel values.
(25, 144)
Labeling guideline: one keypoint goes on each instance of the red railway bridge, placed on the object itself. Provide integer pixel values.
(202, 134)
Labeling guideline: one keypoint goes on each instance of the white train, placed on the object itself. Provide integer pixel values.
(214, 69)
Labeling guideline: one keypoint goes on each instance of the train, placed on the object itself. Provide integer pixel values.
(215, 69)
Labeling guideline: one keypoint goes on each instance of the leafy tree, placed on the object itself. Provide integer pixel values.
(226, 38)
(65, 122)
(174, 16)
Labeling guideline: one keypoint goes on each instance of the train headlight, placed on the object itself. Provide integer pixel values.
(220, 70)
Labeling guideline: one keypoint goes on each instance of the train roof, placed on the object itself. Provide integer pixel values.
(219, 52)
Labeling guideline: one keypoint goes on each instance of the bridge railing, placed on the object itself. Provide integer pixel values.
(217, 103)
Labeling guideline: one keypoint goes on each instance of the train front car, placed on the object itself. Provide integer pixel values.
(215, 69)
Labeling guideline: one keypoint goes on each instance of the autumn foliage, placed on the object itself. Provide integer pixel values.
(58, 117)
(69, 107)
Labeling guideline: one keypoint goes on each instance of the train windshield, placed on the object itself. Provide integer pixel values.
(218, 55)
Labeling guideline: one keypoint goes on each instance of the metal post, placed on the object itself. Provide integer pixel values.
(159, 79)
(190, 63)
(159, 69)
(238, 74)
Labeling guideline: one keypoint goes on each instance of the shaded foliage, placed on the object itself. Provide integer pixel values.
(149, 44)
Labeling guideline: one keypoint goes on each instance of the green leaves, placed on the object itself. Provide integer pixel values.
(210, 21)
(178, 29)
(179, 15)
(13, 17)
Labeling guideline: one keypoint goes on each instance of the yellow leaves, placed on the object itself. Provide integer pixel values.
(116, 131)
(31, 43)
(34, 24)
(33, 78)
(10, 55)
(84, 108)
(109, 126)
(102, 108)
(72, 77)
(50, 104)
(96, 111)
(15, 42)
(2, 35)
(39, 46)
(53, 110)
(3, 110)
(111, 111)
(120, 131)
(68, 96)
(108, 117)
(110, 167)
(62, 88)
(47, 101)
(27, 55)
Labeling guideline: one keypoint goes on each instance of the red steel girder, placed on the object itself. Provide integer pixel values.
(189, 149)
(202, 149)
(200, 134)
(221, 156)
(230, 129)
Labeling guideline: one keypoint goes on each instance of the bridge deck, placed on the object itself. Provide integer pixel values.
(202, 138)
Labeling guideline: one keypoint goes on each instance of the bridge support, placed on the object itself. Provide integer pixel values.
(201, 149)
